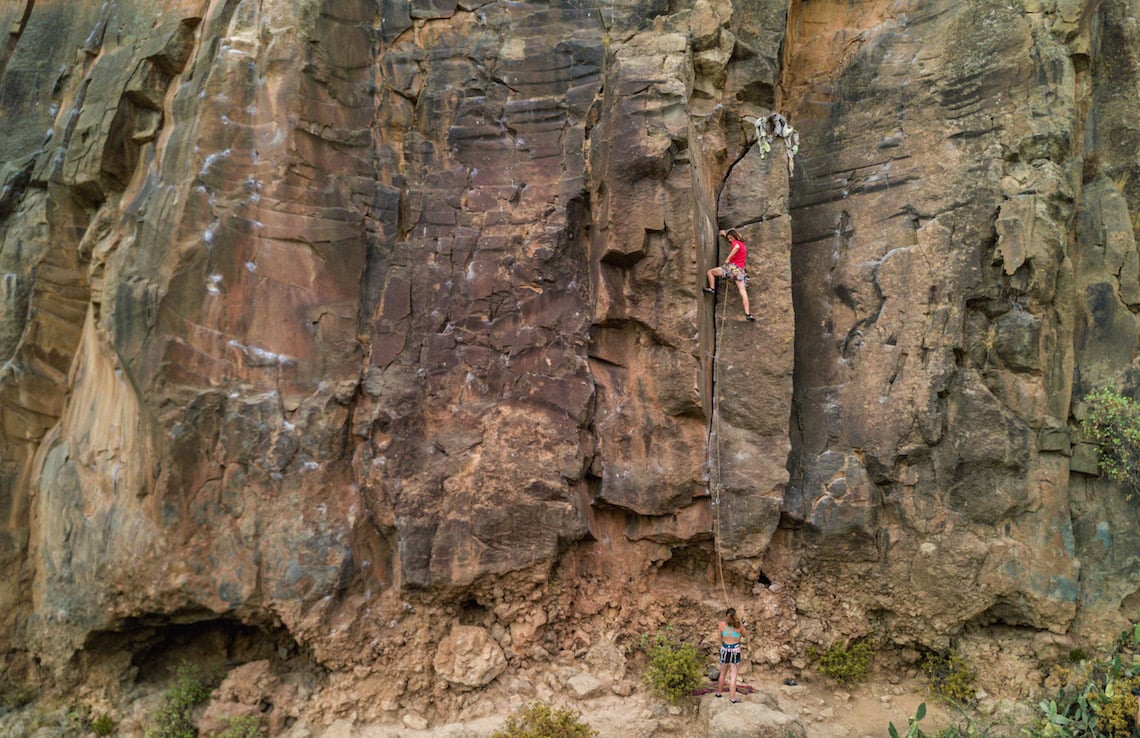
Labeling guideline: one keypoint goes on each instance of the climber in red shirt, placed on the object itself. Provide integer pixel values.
(733, 268)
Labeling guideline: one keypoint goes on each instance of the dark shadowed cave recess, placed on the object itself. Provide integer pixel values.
(160, 646)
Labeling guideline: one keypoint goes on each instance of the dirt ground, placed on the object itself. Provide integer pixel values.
(819, 705)
(827, 710)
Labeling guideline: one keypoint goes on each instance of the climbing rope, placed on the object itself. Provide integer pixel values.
(716, 488)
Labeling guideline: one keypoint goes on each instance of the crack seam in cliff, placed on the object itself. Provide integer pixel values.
(14, 35)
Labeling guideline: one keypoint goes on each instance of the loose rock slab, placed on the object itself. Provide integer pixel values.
(469, 657)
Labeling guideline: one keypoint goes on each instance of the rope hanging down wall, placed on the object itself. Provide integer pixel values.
(715, 470)
(767, 127)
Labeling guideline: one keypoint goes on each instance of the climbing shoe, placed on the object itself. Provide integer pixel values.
(749, 316)
(708, 290)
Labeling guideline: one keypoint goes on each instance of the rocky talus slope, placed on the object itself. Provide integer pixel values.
(356, 348)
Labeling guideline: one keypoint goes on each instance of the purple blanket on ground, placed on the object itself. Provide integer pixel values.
(740, 689)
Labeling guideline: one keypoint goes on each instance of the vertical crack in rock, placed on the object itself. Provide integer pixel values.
(17, 21)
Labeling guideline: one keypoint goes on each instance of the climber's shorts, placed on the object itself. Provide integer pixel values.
(730, 652)
(731, 271)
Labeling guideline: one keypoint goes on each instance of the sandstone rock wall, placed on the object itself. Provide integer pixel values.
(351, 319)
(313, 307)
(964, 183)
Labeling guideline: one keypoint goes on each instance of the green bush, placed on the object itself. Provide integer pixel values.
(243, 726)
(174, 718)
(675, 669)
(949, 678)
(537, 720)
(1096, 700)
(1112, 421)
(14, 696)
(970, 729)
(1116, 716)
(102, 725)
(847, 664)
(1077, 655)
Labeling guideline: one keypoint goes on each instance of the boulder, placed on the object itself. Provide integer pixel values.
(468, 657)
(750, 719)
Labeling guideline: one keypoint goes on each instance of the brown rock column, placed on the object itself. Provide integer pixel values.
(752, 379)
(478, 391)
(933, 346)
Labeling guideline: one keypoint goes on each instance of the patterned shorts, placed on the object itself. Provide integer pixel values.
(730, 653)
(731, 271)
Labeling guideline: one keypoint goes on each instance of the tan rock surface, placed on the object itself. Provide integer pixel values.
(468, 657)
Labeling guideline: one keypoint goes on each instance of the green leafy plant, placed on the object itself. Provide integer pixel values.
(102, 724)
(970, 729)
(1128, 640)
(1096, 700)
(74, 721)
(14, 696)
(675, 669)
(846, 663)
(1077, 655)
(1053, 723)
(241, 726)
(949, 678)
(537, 720)
(1116, 717)
(174, 718)
(912, 729)
(1112, 421)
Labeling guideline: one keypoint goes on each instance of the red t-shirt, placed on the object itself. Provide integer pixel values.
(741, 254)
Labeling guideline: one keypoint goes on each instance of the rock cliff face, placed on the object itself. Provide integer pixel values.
(963, 255)
(343, 321)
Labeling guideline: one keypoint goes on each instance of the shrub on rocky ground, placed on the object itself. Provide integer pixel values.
(174, 719)
(102, 724)
(949, 678)
(1112, 421)
(675, 668)
(14, 695)
(244, 726)
(1097, 697)
(537, 720)
(967, 729)
(846, 663)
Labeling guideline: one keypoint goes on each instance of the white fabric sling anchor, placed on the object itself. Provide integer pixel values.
(791, 138)
(763, 140)
(776, 124)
